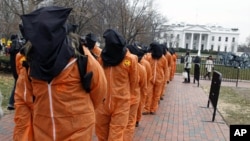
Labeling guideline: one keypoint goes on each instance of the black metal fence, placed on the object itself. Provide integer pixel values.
(229, 73)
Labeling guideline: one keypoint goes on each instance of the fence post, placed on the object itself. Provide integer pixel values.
(238, 73)
(214, 91)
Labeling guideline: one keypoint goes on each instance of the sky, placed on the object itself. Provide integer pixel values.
(225, 13)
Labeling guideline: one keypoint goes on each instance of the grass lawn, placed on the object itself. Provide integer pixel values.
(6, 85)
(233, 104)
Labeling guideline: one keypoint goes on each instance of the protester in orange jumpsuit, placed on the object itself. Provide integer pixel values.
(50, 97)
(135, 97)
(174, 57)
(167, 72)
(170, 62)
(159, 69)
(121, 70)
(147, 76)
(91, 43)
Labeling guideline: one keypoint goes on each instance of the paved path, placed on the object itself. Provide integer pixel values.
(182, 116)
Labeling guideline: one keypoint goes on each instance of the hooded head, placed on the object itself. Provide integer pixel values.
(45, 29)
(114, 50)
(90, 40)
(137, 50)
(156, 50)
(13, 37)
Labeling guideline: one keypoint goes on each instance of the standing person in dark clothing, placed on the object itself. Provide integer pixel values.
(14, 49)
(187, 66)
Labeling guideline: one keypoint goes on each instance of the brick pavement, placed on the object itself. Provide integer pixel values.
(182, 116)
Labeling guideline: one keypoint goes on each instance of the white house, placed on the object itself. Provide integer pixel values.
(201, 37)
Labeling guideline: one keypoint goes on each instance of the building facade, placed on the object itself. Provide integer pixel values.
(201, 37)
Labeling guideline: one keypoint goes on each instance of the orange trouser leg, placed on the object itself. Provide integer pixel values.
(140, 107)
(163, 89)
(130, 129)
(148, 100)
(103, 119)
(119, 119)
(155, 97)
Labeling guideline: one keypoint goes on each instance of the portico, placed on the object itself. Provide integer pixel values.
(201, 37)
(196, 38)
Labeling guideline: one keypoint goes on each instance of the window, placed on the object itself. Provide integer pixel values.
(186, 46)
(202, 47)
(171, 36)
(212, 38)
(225, 49)
(219, 39)
(233, 40)
(170, 44)
(187, 37)
(177, 45)
(218, 48)
(212, 47)
(203, 38)
(226, 39)
(178, 36)
(195, 37)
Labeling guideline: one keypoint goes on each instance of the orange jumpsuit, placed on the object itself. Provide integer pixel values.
(143, 87)
(174, 56)
(170, 62)
(97, 52)
(19, 62)
(159, 69)
(166, 78)
(112, 117)
(62, 109)
(135, 102)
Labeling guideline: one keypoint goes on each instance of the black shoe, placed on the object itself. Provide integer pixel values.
(145, 113)
(137, 124)
(11, 108)
(152, 113)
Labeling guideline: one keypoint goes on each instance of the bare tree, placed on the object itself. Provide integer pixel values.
(136, 20)
(248, 41)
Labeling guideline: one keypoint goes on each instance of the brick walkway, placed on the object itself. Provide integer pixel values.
(182, 116)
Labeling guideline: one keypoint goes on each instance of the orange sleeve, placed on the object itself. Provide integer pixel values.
(98, 82)
(133, 73)
(23, 108)
(19, 58)
(143, 80)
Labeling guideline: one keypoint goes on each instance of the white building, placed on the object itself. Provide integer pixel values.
(201, 37)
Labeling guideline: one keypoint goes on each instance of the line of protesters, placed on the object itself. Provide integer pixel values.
(68, 87)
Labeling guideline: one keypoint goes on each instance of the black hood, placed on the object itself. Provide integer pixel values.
(90, 40)
(137, 50)
(156, 50)
(115, 48)
(50, 52)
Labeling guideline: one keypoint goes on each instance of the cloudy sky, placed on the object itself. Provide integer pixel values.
(226, 13)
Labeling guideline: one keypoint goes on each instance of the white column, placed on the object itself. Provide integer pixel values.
(208, 42)
(192, 38)
(199, 45)
(183, 40)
